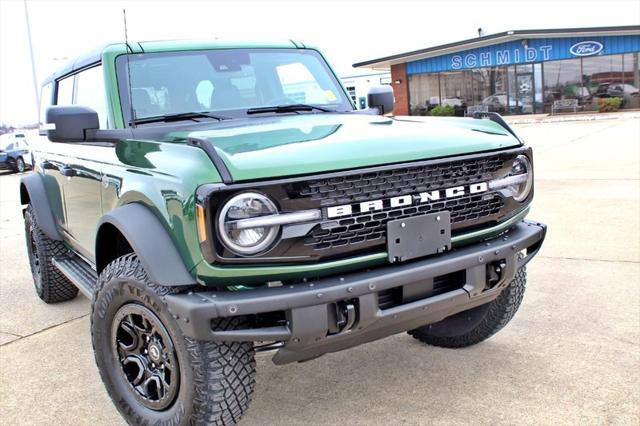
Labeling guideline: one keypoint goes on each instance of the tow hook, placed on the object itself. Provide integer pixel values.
(495, 273)
(345, 317)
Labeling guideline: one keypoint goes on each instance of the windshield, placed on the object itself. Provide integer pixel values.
(229, 81)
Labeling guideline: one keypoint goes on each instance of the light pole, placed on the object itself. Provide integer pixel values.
(33, 62)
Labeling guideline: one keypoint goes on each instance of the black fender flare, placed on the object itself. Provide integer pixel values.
(151, 242)
(32, 191)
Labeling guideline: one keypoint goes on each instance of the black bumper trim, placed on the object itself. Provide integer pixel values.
(306, 305)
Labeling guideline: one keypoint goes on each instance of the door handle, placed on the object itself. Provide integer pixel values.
(67, 171)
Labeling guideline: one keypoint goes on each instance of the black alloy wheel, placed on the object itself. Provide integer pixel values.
(146, 355)
(34, 258)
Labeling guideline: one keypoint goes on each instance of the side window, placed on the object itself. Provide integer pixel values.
(90, 92)
(65, 91)
(45, 102)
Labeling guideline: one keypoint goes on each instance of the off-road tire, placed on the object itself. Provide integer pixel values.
(51, 286)
(20, 165)
(475, 325)
(216, 379)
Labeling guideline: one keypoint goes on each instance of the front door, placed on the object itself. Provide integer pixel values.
(82, 179)
(79, 165)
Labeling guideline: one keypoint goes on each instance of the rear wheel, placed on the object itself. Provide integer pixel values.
(475, 325)
(153, 373)
(50, 284)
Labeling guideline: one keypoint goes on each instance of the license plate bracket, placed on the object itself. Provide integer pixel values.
(418, 236)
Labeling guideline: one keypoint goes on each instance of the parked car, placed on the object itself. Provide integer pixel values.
(459, 106)
(15, 154)
(619, 90)
(211, 223)
(498, 103)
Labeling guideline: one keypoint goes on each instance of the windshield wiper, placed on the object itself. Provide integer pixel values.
(178, 117)
(287, 108)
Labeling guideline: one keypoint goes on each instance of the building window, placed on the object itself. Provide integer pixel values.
(490, 89)
(352, 92)
(563, 80)
(456, 90)
(424, 93)
(631, 77)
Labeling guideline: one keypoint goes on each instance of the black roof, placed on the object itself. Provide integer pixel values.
(512, 34)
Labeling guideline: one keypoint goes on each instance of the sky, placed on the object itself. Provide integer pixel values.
(346, 31)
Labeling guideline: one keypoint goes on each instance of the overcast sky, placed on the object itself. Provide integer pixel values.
(346, 31)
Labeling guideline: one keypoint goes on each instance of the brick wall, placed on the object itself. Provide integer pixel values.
(401, 89)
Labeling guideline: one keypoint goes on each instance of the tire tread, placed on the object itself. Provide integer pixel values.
(223, 372)
(55, 287)
(501, 311)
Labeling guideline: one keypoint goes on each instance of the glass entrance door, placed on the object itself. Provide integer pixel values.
(524, 90)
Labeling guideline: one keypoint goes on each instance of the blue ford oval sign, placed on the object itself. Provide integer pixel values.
(586, 48)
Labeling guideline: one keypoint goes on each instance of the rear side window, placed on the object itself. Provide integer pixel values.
(65, 91)
(90, 92)
(45, 102)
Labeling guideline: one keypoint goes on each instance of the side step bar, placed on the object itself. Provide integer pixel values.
(78, 272)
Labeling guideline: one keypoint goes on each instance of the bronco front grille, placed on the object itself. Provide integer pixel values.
(389, 183)
(370, 227)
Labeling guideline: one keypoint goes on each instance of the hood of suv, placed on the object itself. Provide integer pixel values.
(268, 147)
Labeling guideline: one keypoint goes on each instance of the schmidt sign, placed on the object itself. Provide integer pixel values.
(524, 51)
(501, 57)
(521, 52)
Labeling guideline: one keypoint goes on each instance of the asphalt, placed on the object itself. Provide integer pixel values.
(571, 355)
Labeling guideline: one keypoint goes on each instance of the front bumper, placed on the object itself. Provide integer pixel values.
(309, 307)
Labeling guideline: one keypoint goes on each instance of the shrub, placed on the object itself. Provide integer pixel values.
(443, 110)
(609, 104)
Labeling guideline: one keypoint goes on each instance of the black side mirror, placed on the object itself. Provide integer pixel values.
(69, 123)
(381, 98)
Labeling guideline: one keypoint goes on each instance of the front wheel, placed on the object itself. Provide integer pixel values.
(153, 373)
(470, 327)
(20, 165)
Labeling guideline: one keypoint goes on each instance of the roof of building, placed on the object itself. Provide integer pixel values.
(387, 61)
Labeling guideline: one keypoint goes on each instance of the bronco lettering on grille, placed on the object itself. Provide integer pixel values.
(406, 200)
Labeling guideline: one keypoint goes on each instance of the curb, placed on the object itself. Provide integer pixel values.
(547, 118)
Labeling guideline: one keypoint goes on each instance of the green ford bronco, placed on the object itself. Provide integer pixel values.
(219, 200)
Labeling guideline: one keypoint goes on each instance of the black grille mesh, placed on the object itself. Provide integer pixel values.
(390, 183)
(370, 227)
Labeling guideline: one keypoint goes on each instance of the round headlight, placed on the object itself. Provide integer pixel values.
(241, 240)
(522, 166)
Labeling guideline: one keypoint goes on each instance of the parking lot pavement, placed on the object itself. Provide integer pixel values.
(571, 355)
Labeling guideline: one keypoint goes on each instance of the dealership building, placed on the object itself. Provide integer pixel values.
(519, 72)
